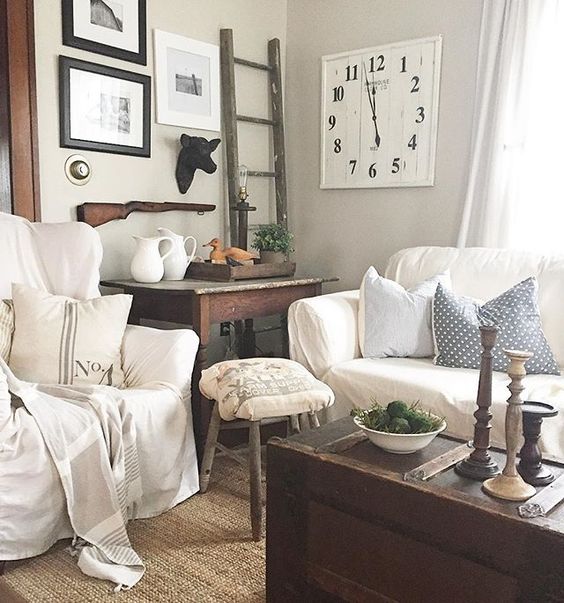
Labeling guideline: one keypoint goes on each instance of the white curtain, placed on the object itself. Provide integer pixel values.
(514, 196)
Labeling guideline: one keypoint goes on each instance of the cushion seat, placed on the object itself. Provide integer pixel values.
(262, 388)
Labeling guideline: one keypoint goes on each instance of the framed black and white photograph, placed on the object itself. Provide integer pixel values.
(187, 82)
(116, 28)
(104, 109)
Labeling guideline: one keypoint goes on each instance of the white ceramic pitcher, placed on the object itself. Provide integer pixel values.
(147, 265)
(176, 263)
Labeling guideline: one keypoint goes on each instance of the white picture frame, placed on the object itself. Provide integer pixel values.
(187, 82)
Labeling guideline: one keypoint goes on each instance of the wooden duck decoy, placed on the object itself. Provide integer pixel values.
(220, 255)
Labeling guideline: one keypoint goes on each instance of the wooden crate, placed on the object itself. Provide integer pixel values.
(223, 272)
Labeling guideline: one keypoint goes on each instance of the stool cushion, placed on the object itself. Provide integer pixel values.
(261, 388)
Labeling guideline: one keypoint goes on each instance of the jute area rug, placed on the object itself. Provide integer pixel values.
(199, 551)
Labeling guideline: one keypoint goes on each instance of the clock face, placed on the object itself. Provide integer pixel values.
(379, 115)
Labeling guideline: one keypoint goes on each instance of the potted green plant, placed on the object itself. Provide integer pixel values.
(274, 243)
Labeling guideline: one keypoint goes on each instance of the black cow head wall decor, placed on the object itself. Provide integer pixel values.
(194, 155)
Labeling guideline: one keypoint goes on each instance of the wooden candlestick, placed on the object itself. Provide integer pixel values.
(530, 466)
(510, 485)
(479, 465)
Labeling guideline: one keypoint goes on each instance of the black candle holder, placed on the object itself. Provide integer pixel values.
(530, 466)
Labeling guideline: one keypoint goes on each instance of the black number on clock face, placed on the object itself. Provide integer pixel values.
(352, 72)
(420, 115)
(412, 144)
(403, 64)
(396, 165)
(352, 163)
(415, 81)
(338, 94)
(332, 121)
(372, 171)
(337, 144)
(380, 66)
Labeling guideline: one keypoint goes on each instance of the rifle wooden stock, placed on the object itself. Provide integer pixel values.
(97, 214)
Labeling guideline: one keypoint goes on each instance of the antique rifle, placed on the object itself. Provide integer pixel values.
(96, 214)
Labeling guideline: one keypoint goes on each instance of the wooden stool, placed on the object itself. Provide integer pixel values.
(248, 393)
(255, 469)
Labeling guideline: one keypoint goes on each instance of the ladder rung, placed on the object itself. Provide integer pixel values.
(251, 64)
(262, 174)
(256, 120)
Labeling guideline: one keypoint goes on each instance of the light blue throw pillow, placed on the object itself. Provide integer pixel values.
(393, 321)
(456, 322)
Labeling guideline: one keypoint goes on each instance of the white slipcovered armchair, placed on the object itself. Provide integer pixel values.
(64, 259)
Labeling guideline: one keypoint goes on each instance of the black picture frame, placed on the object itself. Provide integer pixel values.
(69, 38)
(68, 63)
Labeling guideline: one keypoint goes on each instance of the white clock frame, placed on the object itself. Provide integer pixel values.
(356, 124)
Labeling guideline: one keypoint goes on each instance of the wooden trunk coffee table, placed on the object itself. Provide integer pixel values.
(348, 527)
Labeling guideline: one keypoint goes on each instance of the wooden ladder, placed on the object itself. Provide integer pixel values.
(231, 117)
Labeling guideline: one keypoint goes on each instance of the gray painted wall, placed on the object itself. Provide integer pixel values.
(342, 232)
(338, 232)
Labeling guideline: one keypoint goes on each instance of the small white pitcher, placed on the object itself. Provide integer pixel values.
(147, 264)
(177, 262)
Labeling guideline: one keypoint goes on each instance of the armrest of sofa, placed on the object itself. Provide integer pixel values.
(323, 330)
(157, 356)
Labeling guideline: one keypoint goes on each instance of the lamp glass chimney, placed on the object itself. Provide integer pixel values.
(243, 175)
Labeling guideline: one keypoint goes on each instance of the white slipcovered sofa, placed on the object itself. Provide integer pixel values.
(324, 338)
(64, 259)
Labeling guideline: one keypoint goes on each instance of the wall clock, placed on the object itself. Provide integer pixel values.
(379, 115)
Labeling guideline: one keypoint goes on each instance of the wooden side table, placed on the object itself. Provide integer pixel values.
(203, 303)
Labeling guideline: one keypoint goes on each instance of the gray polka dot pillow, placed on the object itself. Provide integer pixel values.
(515, 312)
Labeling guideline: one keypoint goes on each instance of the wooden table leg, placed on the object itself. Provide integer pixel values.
(284, 335)
(248, 341)
(200, 407)
(134, 314)
(238, 343)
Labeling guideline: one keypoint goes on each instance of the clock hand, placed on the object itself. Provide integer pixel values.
(377, 137)
(368, 90)
(372, 101)
(373, 91)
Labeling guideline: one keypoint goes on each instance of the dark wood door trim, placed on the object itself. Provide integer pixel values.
(18, 90)
(5, 176)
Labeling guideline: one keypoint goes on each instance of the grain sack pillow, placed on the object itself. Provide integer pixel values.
(394, 321)
(61, 340)
(6, 328)
(259, 388)
(456, 322)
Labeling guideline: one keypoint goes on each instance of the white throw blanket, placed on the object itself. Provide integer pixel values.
(91, 439)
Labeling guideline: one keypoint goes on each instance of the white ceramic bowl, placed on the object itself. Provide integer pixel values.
(400, 443)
